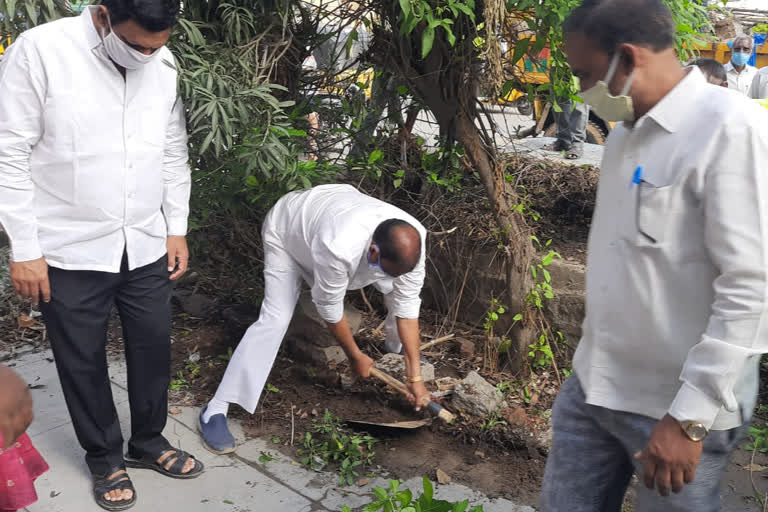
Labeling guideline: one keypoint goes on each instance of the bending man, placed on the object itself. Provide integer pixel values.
(336, 239)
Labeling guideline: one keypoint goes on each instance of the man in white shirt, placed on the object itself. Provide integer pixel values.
(94, 192)
(759, 87)
(740, 74)
(665, 375)
(336, 239)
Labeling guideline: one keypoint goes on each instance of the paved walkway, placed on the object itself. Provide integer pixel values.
(237, 483)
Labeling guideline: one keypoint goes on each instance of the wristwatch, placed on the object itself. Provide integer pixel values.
(694, 430)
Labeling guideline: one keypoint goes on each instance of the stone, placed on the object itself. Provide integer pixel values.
(394, 365)
(194, 304)
(309, 327)
(347, 381)
(323, 356)
(466, 349)
(475, 395)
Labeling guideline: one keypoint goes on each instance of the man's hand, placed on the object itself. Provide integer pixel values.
(15, 406)
(30, 279)
(670, 459)
(361, 365)
(178, 256)
(419, 396)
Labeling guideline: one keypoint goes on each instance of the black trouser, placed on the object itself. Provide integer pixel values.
(77, 319)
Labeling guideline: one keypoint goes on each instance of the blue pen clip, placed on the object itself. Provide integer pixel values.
(637, 177)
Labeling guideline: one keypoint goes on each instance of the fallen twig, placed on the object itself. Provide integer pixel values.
(436, 341)
(365, 299)
(293, 426)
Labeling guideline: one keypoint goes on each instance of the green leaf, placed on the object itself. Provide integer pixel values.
(517, 317)
(427, 40)
(396, 183)
(380, 493)
(429, 491)
(405, 5)
(449, 35)
(375, 156)
(520, 49)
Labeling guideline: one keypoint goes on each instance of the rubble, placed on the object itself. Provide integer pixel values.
(475, 395)
(394, 365)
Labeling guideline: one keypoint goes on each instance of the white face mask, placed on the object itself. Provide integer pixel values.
(122, 54)
(607, 106)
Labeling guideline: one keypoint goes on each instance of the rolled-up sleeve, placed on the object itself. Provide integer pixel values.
(406, 299)
(22, 95)
(177, 177)
(736, 234)
(331, 280)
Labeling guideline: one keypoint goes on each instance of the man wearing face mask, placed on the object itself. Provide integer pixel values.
(336, 239)
(94, 192)
(740, 74)
(665, 375)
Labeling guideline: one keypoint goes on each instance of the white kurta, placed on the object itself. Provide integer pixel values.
(320, 236)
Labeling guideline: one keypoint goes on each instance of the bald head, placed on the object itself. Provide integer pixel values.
(397, 246)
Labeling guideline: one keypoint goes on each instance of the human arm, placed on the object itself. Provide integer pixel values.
(177, 182)
(23, 85)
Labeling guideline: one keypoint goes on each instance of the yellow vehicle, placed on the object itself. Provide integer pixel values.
(535, 72)
(4, 46)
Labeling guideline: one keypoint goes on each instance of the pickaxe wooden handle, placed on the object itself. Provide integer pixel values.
(437, 409)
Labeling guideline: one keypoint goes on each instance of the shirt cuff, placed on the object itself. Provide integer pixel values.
(27, 250)
(331, 313)
(690, 404)
(407, 309)
(177, 226)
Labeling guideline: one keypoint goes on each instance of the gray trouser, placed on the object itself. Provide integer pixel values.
(592, 460)
(571, 122)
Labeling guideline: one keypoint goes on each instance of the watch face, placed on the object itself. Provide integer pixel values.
(696, 431)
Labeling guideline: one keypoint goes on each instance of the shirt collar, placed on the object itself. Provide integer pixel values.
(671, 110)
(91, 34)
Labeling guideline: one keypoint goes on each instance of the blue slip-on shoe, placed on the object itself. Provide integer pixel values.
(216, 435)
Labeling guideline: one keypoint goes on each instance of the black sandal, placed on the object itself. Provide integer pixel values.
(111, 482)
(175, 471)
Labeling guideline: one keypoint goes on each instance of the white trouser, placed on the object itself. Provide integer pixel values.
(392, 341)
(252, 361)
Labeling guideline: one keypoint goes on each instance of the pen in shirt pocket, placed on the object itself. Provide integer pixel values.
(637, 177)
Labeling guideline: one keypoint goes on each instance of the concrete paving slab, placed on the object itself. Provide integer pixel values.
(593, 154)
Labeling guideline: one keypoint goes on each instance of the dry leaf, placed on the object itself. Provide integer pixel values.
(174, 410)
(26, 321)
(480, 454)
(363, 482)
(314, 412)
(756, 468)
(442, 477)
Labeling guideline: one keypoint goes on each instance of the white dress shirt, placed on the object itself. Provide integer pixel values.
(759, 88)
(327, 231)
(676, 271)
(92, 165)
(740, 81)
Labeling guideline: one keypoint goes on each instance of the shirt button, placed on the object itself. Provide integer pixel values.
(130, 165)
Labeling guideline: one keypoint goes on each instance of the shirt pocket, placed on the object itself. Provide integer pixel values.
(652, 209)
